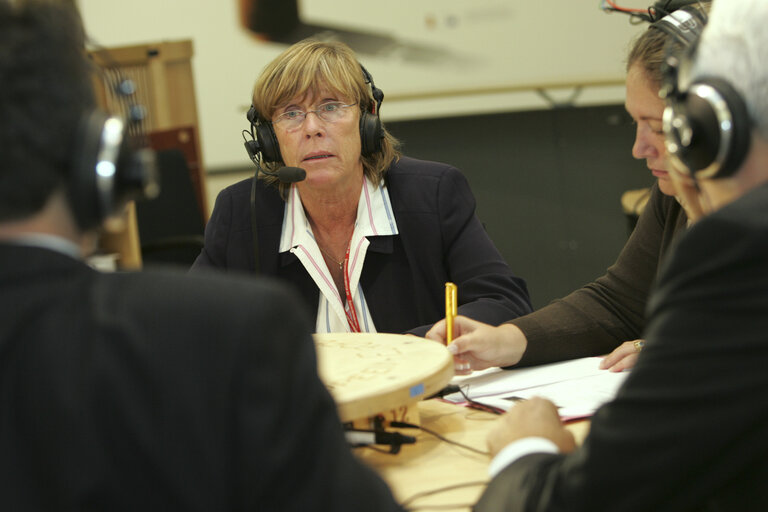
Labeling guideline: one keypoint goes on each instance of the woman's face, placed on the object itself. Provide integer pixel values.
(646, 108)
(328, 151)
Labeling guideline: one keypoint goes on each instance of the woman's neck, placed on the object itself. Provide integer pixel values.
(332, 213)
(333, 226)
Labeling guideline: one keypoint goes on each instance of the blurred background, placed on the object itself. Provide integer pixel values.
(526, 98)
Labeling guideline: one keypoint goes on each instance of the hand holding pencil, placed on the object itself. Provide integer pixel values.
(476, 345)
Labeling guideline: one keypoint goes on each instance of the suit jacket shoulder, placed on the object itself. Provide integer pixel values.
(692, 411)
(165, 391)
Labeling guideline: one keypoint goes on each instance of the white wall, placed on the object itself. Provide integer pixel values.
(485, 55)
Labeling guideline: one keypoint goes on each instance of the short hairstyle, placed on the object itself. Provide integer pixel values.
(44, 88)
(734, 47)
(308, 66)
(650, 47)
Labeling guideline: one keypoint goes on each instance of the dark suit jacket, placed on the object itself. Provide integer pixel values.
(689, 428)
(441, 239)
(163, 392)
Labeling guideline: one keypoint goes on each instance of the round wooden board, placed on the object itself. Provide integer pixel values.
(371, 373)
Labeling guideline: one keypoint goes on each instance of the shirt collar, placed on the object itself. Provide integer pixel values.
(51, 242)
(374, 216)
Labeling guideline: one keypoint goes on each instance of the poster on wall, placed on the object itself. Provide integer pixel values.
(453, 47)
(432, 58)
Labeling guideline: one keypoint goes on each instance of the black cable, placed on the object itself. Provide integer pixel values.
(477, 405)
(402, 424)
(254, 228)
(453, 388)
(447, 390)
(636, 16)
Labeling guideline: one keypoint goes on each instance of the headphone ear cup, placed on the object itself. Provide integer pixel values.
(84, 196)
(719, 125)
(371, 133)
(738, 145)
(105, 172)
(695, 135)
(270, 148)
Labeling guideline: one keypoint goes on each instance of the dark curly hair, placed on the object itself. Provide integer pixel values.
(45, 86)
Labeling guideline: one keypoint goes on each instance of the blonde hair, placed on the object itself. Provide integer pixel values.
(305, 68)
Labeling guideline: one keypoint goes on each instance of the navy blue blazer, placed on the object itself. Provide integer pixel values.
(440, 239)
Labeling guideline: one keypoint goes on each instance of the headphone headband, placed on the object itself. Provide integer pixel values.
(684, 24)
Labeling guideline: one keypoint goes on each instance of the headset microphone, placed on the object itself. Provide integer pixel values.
(288, 174)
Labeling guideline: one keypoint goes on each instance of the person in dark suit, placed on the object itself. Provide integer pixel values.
(369, 238)
(688, 429)
(143, 391)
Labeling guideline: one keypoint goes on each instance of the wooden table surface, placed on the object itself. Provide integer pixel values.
(422, 474)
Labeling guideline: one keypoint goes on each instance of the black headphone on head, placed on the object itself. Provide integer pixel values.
(706, 124)
(264, 141)
(109, 166)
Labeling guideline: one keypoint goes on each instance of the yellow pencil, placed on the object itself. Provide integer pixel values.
(451, 292)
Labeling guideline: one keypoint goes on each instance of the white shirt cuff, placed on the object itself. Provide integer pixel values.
(518, 449)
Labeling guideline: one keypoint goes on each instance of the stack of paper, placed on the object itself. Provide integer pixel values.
(578, 387)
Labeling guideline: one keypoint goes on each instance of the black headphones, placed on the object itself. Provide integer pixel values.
(263, 139)
(706, 124)
(109, 166)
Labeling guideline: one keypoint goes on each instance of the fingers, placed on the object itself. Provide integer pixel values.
(486, 346)
(437, 332)
(625, 364)
(461, 366)
(619, 353)
(535, 417)
(543, 419)
(622, 358)
(463, 362)
(540, 407)
(461, 325)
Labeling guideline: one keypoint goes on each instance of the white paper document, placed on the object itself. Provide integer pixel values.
(578, 387)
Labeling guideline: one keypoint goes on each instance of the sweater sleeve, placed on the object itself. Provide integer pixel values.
(598, 317)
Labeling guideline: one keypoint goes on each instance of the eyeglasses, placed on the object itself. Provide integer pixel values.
(329, 112)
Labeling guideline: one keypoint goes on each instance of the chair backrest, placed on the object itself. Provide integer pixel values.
(171, 226)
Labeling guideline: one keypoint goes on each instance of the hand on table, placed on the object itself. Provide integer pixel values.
(623, 357)
(477, 346)
(536, 417)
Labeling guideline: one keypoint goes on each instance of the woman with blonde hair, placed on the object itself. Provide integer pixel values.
(369, 237)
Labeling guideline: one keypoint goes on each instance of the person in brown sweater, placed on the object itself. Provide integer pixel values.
(607, 315)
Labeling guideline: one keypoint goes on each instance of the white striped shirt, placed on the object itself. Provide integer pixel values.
(374, 218)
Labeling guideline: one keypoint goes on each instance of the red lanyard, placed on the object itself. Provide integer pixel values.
(349, 307)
